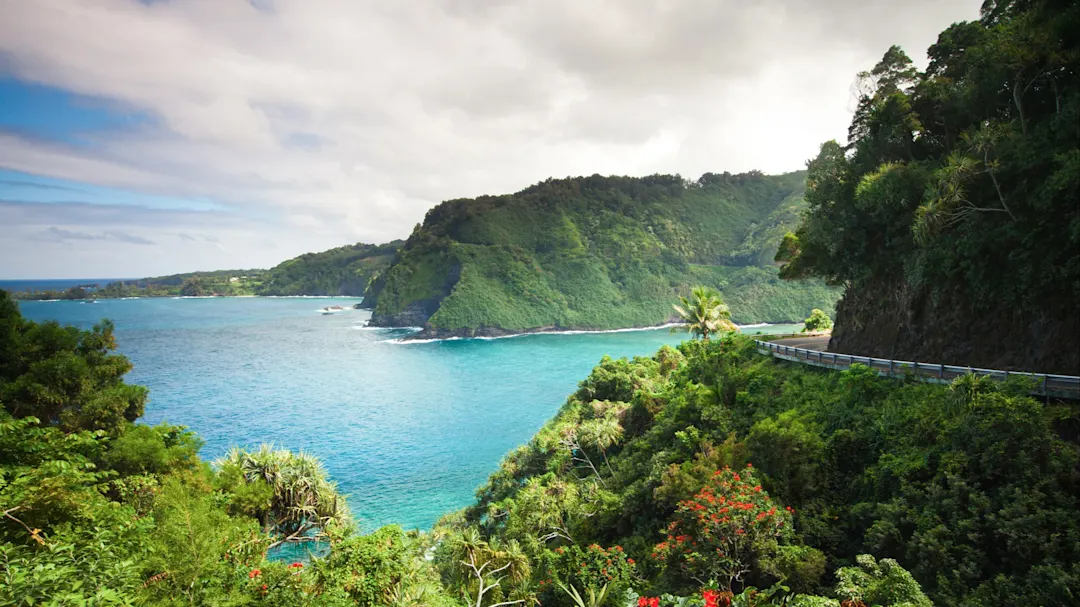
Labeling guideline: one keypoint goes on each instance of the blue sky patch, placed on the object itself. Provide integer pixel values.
(45, 112)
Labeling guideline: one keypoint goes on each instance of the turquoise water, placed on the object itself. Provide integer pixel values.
(407, 430)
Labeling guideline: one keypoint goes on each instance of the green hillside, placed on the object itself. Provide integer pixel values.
(597, 253)
(341, 271)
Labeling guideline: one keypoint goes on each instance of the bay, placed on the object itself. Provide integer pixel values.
(408, 430)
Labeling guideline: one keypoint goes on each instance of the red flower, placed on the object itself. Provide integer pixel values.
(296, 566)
(642, 602)
(711, 597)
(631, 561)
(264, 587)
(654, 602)
(254, 573)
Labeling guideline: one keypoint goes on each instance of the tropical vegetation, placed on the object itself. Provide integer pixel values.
(817, 321)
(706, 474)
(703, 314)
(951, 214)
(342, 271)
(597, 253)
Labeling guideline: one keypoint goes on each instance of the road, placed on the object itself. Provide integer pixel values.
(819, 342)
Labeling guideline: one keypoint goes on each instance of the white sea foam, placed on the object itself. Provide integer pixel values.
(306, 297)
(567, 332)
(760, 324)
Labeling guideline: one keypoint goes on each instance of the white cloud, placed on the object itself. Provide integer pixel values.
(348, 119)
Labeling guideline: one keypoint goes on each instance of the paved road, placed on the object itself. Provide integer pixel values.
(820, 342)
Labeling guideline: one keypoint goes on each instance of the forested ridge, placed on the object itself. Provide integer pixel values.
(340, 271)
(952, 216)
(597, 253)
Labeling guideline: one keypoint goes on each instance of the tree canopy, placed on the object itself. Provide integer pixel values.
(956, 192)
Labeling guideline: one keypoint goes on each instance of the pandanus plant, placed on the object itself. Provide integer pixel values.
(303, 498)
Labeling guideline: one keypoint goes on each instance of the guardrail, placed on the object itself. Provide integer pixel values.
(1066, 386)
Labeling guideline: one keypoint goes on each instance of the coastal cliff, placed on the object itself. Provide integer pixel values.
(596, 253)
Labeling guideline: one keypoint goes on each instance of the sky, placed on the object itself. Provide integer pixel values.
(147, 137)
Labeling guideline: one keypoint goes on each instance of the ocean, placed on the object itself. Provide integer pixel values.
(408, 430)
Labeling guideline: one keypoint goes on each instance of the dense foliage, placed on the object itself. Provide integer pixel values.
(817, 321)
(341, 271)
(973, 488)
(952, 211)
(598, 252)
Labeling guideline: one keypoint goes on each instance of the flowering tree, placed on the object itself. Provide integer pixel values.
(718, 533)
(594, 568)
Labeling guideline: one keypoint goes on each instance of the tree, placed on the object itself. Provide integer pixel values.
(589, 575)
(487, 574)
(817, 321)
(64, 376)
(704, 314)
(881, 582)
(724, 528)
(193, 287)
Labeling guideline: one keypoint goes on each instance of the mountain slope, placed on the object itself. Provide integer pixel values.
(341, 271)
(596, 253)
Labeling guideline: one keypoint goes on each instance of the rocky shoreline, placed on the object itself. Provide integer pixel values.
(435, 333)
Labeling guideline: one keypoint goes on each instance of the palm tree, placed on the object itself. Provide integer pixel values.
(704, 313)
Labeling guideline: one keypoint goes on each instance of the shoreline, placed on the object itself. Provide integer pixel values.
(485, 333)
(133, 297)
(426, 336)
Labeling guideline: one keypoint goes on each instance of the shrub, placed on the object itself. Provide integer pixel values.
(724, 528)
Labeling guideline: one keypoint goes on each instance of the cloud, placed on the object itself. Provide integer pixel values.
(348, 119)
(56, 234)
(125, 237)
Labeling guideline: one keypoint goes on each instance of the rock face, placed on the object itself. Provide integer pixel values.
(415, 314)
(887, 319)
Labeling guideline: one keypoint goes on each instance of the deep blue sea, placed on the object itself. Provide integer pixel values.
(407, 430)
